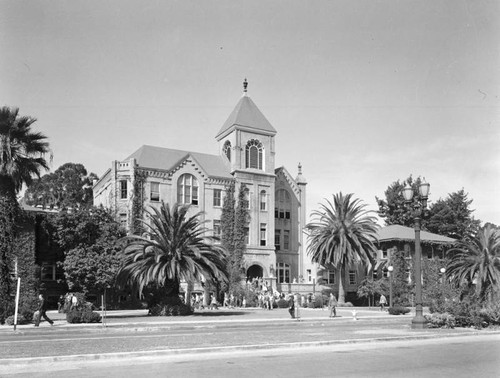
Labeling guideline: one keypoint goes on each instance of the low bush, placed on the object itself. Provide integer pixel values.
(282, 303)
(83, 314)
(346, 304)
(398, 310)
(20, 320)
(440, 321)
(170, 310)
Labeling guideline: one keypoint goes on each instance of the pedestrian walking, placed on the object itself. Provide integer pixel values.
(382, 302)
(332, 305)
(41, 309)
(291, 306)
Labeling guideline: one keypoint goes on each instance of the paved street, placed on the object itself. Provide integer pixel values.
(266, 343)
(471, 356)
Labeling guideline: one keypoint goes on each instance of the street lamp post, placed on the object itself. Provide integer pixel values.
(417, 210)
(390, 269)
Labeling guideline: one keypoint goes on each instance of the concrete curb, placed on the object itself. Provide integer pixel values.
(186, 324)
(226, 349)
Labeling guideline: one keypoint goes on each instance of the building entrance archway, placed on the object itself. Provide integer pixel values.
(255, 271)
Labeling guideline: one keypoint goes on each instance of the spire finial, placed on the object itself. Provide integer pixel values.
(245, 85)
(300, 169)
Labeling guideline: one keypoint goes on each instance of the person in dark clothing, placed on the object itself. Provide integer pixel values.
(291, 306)
(42, 308)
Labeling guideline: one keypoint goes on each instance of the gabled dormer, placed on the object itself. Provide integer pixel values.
(247, 138)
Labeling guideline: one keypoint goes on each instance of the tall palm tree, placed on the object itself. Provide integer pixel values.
(477, 262)
(174, 247)
(22, 154)
(342, 234)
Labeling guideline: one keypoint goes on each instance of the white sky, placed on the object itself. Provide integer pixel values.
(362, 93)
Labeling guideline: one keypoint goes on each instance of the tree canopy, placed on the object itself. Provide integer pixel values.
(477, 262)
(342, 233)
(174, 247)
(22, 156)
(68, 187)
(89, 241)
(233, 223)
(450, 217)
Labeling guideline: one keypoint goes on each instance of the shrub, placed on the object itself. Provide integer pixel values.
(346, 304)
(440, 321)
(83, 314)
(282, 303)
(170, 310)
(20, 320)
(398, 310)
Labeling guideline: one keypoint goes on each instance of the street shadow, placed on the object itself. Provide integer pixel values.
(213, 313)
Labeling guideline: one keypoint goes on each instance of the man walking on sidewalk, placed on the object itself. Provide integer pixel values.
(42, 308)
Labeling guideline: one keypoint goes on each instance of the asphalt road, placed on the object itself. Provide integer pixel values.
(67, 342)
(471, 356)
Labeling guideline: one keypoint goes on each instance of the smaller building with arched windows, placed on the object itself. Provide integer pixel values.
(276, 200)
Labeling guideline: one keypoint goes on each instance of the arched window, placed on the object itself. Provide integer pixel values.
(263, 200)
(254, 154)
(227, 150)
(187, 190)
(283, 206)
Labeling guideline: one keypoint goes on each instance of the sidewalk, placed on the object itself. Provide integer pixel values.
(138, 319)
(207, 331)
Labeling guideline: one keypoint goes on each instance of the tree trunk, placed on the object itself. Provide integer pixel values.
(341, 273)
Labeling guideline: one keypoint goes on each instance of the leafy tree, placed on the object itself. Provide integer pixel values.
(392, 209)
(452, 217)
(233, 223)
(68, 187)
(93, 260)
(477, 262)
(174, 247)
(22, 156)
(341, 234)
(369, 287)
(401, 288)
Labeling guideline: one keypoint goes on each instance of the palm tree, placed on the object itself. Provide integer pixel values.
(22, 154)
(477, 262)
(341, 234)
(173, 248)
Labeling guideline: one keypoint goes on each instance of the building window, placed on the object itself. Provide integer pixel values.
(283, 205)
(217, 228)
(123, 189)
(187, 190)
(247, 235)
(123, 219)
(217, 197)
(331, 277)
(254, 154)
(51, 272)
(384, 254)
(352, 277)
(263, 200)
(263, 234)
(227, 149)
(385, 273)
(309, 275)
(286, 240)
(277, 240)
(155, 191)
(246, 204)
(283, 272)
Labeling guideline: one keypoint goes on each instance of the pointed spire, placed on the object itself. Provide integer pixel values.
(300, 179)
(245, 85)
